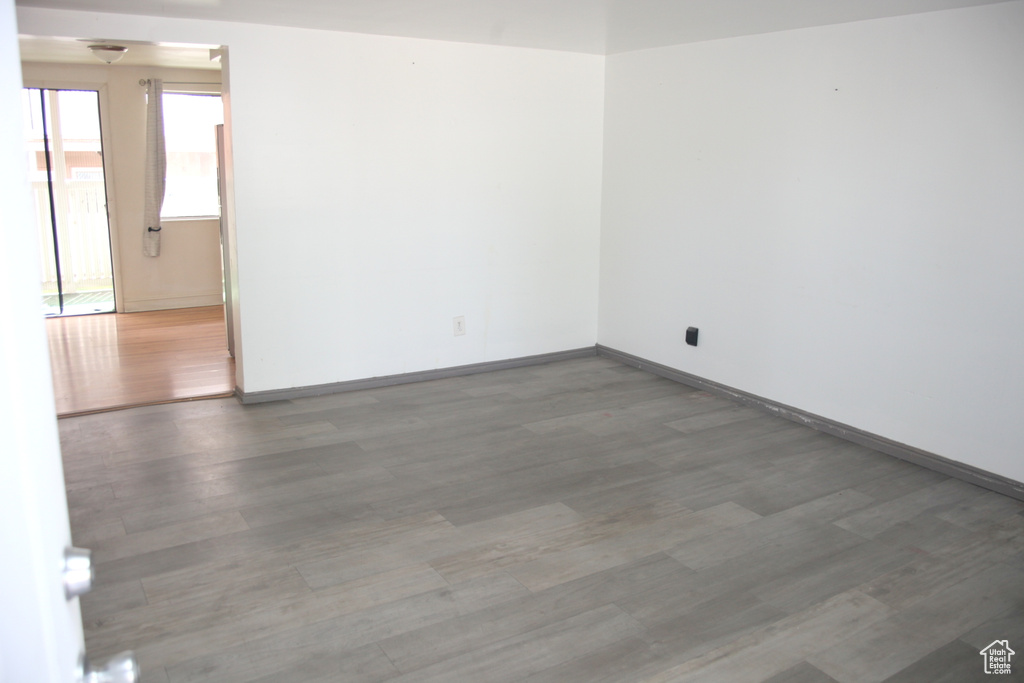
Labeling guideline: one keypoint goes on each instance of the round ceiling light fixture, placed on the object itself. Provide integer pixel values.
(108, 53)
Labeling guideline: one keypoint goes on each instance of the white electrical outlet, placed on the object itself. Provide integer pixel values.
(459, 325)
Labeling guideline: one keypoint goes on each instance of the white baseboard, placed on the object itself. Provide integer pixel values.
(140, 305)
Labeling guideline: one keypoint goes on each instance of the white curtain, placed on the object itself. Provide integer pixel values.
(156, 167)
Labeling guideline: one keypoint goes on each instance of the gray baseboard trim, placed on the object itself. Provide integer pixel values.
(952, 468)
(409, 377)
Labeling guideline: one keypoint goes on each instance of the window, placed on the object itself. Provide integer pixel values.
(191, 142)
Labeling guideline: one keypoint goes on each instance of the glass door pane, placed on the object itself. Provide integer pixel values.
(65, 157)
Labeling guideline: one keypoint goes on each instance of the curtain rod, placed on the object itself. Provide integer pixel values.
(145, 81)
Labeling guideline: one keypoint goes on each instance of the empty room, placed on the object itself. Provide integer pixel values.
(598, 340)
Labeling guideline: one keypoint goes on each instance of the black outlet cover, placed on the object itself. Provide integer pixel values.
(691, 336)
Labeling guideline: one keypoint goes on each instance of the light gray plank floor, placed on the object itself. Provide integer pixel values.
(579, 521)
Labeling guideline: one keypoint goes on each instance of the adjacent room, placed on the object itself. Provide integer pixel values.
(606, 341)
(125, 328)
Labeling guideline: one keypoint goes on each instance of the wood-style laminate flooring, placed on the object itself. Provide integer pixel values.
(580, 521)
(117, 360)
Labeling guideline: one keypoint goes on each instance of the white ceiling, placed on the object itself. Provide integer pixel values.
(590, 26)
(76, 51)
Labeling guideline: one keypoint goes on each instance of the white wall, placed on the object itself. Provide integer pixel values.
(187, 272)
(839, 210)
(385, 185)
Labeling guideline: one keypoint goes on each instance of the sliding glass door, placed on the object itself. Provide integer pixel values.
(65, 165)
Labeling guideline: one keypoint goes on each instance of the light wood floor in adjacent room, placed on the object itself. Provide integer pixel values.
(577, 522)
(114, 360)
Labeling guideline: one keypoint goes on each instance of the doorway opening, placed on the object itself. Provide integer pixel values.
(168, 333)
(66, 173)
